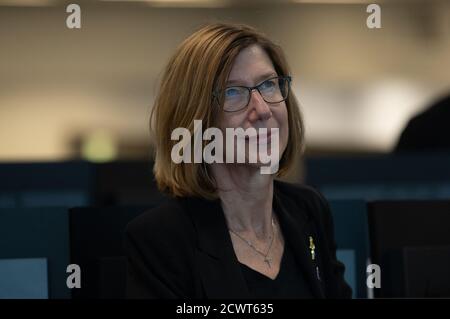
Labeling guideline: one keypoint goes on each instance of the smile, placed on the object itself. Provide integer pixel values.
(261, 138)
(258, 146)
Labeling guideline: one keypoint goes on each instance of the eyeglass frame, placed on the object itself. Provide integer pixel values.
(288, 78)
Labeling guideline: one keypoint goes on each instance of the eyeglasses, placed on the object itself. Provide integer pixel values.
(273, 90)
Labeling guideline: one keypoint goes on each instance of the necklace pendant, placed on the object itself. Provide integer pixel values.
(312, 248)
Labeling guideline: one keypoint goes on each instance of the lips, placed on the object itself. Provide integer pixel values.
(262, 138)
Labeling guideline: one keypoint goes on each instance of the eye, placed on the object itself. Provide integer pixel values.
(268, 84)
(232, 92)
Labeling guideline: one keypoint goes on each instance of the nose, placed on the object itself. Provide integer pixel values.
(258, 108)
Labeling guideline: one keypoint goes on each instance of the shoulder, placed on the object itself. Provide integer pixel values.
(160, 249)
(166, 223)
(302, 194)
(314, 203)
(307, 200)
(295, 189)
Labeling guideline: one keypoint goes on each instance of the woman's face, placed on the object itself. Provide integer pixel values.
(252, 67)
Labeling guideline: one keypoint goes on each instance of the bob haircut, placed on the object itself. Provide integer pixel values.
(200, 66)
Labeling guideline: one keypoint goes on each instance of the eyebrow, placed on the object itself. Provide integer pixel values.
(259, 79)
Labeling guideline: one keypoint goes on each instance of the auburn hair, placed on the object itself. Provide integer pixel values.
(200, 66)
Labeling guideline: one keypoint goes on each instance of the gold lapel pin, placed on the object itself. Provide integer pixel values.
(312, 248)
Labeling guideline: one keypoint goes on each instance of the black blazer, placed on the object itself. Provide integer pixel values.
(182, 249)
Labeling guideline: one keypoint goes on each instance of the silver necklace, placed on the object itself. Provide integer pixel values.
(267, 259)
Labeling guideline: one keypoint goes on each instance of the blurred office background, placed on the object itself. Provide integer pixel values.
(75, 149)
(86, 93)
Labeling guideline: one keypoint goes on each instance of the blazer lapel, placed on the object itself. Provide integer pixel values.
(219, 268)
(296, 225)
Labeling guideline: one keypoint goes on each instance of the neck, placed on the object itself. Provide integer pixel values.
(246, 197)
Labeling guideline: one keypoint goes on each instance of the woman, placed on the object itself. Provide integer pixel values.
(229, 231)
